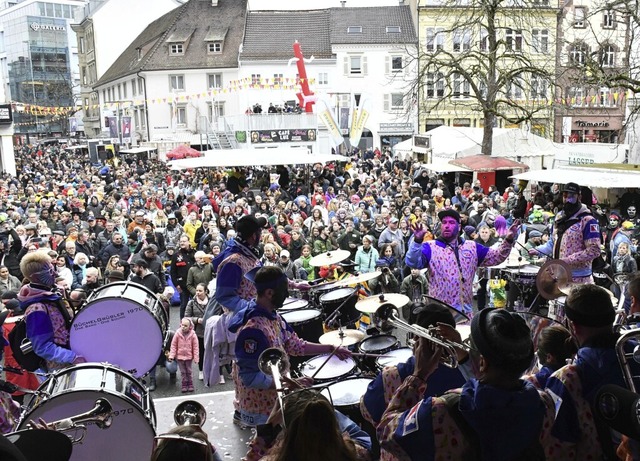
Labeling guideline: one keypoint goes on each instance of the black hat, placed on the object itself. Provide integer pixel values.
(9, 294)
(451, 213)
(115, 275)
(141, 263)
(503, 338)
(58, 232)
(14, 306)
(571, 187)
(248, 225)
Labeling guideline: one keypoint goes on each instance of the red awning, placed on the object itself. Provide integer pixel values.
(480, 163)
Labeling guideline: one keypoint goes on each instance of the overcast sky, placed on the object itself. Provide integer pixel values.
(313, 4)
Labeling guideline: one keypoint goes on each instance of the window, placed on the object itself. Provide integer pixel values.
(461, 41)
(576, 96)
(124, 90)
(514, 89)
(484, 39)
(119, 92)
(354, 30)
(579, 17)
(134, 87)
(85, 81)
(608, 19)
(176, 82)
(278, 79)
(355, 65)
(608, 56)
(323, 78)
(435, 85)
(540, 40)
(514, 39)
(393, 29)
(176, 49)
(578, 53)
(81, 45)
(461, 87)
(214, 47)
(256, 79)
(140, 87)
(181, 116)
(539, 87)
(393, 102)
(215, 110)
(482, 88)
(435, 39)
(605, 97)
(394, 64)
(214, 81)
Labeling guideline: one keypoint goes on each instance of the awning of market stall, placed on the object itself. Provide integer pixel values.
(255, 157)
(480, 163)
(589, 177)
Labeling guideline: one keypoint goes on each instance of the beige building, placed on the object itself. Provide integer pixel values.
(594, 38)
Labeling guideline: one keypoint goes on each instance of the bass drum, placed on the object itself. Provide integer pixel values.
(74, 391)
(122, 324)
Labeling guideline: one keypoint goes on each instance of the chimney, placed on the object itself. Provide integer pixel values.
(343, 3)
(214, 2)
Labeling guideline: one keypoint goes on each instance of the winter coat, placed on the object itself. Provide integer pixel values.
(184, 346)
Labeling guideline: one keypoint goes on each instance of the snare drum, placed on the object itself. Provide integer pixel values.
(394, 357)
(123, 324)
(526, 275)
(345, 395)
(345, 297)
(333, 370)
(307, 323)
(293, 304)
(74, 390)
(556, 310)
(379, 344)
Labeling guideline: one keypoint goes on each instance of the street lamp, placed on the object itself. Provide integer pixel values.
(33, 83)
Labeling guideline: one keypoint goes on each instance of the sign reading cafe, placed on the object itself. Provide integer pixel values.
(271, 136)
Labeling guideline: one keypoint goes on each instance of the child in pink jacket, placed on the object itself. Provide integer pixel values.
(184, 348)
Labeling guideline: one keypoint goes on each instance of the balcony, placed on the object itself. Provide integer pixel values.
(267, 121)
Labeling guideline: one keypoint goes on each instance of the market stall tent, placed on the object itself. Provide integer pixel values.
(255, 157)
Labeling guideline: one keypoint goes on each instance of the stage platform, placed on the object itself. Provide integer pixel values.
(230, 441)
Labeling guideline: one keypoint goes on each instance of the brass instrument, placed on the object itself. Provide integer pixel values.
(387, 313)
(100, 415)
(190, 412)
(274, 362)
(627, 358)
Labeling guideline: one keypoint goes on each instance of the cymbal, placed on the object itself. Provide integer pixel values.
(344, 337)
(329, 258)
(354, 279)
(372, 303)
(553, 274)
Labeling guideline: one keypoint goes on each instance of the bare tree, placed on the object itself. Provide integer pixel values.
(494, 57)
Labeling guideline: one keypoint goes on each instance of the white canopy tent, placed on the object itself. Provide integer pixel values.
(255, 157)
(443, 166)
(590, 177)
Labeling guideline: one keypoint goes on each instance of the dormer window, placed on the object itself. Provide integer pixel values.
(354, 30)
(176, 49)
(393, 29)
(214, 47)
(214, 40)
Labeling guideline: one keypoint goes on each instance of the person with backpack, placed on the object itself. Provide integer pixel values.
(47, 318)
(496, 416)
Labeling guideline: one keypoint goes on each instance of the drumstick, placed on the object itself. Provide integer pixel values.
(325, 362)
(360, 354)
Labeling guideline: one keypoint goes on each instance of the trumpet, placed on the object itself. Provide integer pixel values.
(100, 415)
(190, 412)
(387, 313)
(274, 362)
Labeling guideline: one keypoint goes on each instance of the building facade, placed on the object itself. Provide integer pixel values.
(39, 64)
(592, 40)
(466, 71)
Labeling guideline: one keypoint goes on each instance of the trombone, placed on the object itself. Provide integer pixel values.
(274, 362)
(387, 313)
(101, 415)
(627, 358)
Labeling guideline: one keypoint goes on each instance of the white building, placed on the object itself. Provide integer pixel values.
(109, 26)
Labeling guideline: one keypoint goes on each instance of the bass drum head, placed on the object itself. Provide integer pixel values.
(119, 331)
(75, 391)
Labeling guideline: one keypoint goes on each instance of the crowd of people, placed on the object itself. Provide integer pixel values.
(229, 247)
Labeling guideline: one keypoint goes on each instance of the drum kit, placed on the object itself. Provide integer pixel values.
(103, 406)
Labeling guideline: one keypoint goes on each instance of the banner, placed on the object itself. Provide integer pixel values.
(325, 113)
(126, 130)
(73, 125)
(360, 121)
(113, 127)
